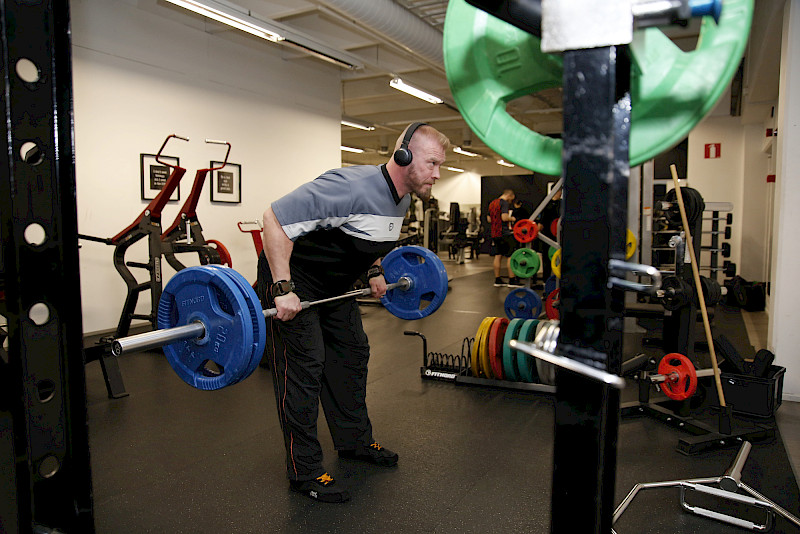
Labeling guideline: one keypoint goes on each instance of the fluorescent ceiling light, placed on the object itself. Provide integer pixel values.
(504, 163)
(242, 19)
(400, 85)
(353, 123)
(454, 169)
(459, 150)
(229, 16)
(351, 149)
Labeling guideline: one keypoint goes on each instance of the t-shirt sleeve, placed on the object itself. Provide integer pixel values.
(325, 202)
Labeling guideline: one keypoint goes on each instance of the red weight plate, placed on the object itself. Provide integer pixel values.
(496, 334)
(681, 378)
(554, 227)
(551, 304)
(525, 230)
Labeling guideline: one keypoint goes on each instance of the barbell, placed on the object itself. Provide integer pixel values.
(213, 330)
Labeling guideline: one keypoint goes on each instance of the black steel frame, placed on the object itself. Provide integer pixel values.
(43, 433)
(596, 103)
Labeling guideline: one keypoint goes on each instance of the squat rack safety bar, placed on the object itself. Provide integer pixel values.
(197, 330)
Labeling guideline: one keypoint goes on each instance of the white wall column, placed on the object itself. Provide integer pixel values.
(784, 310)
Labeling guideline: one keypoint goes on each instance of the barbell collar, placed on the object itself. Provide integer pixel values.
(157, 338)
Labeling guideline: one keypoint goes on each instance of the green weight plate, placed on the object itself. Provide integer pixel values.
(550, 252)
(490, 63)
(509, 354)
(524, 263)
(525, 362)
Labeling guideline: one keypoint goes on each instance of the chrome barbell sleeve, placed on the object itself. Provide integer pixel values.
(157, 338)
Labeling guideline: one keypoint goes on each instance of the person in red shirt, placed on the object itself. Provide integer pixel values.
(503, 242)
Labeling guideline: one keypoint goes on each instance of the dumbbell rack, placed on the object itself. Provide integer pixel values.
(455, 369)
(716, 248)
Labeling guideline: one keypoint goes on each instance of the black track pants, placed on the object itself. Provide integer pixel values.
(320, 355)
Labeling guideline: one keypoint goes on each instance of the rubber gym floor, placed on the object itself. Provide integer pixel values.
(169, 458)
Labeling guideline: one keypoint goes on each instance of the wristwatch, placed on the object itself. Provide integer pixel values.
(281, 288)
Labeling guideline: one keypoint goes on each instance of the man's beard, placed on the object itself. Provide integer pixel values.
(424, 194)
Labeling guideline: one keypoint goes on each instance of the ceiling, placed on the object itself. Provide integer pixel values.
(403, 38)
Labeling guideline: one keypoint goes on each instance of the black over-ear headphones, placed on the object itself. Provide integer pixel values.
(403, 156)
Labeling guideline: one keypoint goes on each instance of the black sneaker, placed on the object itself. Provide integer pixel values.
(499, 282)
(323, 488)
(374, 454)
(515, 282)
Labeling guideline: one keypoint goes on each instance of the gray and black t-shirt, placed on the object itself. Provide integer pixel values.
(340, 223)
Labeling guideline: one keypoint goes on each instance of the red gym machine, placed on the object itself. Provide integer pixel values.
(186, 234)
(148, 224)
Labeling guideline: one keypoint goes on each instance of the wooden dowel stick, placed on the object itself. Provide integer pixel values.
(697, 285)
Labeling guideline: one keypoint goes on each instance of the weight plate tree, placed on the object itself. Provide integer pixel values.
(490, 63)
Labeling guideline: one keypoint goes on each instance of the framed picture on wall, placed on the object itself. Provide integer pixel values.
(226, 183)
(155, 175)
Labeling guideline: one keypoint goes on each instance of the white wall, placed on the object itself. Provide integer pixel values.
(143, 70)
(784, 312)
(755, 204)
(461, 187)
(720, 179)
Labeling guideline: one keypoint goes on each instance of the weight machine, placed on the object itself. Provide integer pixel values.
(184, 235)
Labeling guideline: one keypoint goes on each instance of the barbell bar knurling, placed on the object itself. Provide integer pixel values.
(404, 283)
(196, 329)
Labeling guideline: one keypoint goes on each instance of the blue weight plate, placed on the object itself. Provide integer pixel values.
(551, 284)
(256, 314)
(225, 271)
(428, 282)
(198, 294)
(523, 303)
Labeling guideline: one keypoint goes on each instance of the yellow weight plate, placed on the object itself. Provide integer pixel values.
(630, 245)
(475, 362)
(483, 348)
(555, 263)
